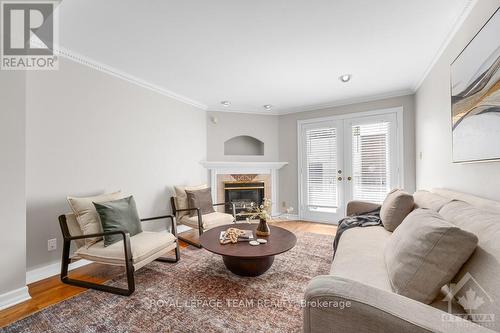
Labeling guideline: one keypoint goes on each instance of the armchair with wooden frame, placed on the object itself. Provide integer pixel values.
(202, 222)
(132, 252)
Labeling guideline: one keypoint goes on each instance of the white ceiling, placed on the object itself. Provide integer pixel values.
(288, 53)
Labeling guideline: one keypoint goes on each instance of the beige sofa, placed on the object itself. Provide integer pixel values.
(357, 297)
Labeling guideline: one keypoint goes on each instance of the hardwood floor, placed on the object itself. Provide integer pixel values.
(51, 291)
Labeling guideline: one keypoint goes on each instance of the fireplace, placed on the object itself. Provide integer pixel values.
(242, 194)
(244, 172)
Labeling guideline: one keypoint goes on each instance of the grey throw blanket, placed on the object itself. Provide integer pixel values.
(367, 219)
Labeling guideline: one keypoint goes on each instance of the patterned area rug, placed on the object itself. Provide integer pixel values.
(197, 294)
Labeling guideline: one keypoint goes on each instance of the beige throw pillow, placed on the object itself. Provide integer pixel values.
(396, 206)
(87, 216)
(181, 200)
(424, 253)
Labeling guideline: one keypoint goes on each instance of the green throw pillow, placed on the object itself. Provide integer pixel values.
(118, 215)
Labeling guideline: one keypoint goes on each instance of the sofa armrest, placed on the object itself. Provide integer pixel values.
(334, 304)
(360, 207)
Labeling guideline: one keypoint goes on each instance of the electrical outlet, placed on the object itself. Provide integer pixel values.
(52, 244)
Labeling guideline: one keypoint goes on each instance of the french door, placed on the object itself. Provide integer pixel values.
(345, 159)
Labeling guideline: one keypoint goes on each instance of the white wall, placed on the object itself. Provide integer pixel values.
(12, 187)
(89, 132)
(433, 122)
(229, 125)
(288, 192)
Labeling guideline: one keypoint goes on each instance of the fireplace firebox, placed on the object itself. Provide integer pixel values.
(242, 194)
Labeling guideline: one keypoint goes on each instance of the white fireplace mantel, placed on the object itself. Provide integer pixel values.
(225, 167)
(244, 165)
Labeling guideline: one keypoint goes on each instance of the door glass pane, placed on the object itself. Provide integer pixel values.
(321, 162)
(371, 161)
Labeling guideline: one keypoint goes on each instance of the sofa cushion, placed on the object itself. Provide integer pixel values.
(396, 206)
(429, 200)
(181, 201)
(481, 273)
(87, 216)
(143, 246)
(424, 253)
(201, 199)
(209, 220)
(360, 256)
(478, 202)
(117, 215)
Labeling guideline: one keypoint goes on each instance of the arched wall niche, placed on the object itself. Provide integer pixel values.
(244, 145)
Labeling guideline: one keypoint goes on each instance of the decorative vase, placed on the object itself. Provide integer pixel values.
(263, 228)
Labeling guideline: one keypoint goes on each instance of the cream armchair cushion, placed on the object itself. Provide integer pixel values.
(145, 246)
(87, 216)
(210, 220)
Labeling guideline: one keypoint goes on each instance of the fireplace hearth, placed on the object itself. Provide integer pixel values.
(242, 194)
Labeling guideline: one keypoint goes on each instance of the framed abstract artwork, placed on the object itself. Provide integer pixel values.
(475, 96)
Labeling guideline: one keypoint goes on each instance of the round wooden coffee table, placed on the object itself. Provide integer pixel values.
(244, 259)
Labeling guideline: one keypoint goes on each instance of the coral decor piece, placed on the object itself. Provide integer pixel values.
(244, 178)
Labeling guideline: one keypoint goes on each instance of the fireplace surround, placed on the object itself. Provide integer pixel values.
(226, 171)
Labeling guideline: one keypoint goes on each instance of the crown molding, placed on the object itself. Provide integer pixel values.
(314, 107)
(86, 61)
(245, 111)
(349, 101)
(451, 34)
(83, 60)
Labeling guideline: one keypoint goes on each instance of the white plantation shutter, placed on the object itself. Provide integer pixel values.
(371, 161)
(321, 155)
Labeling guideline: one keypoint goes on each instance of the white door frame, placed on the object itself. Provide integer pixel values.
(393, 144)
(339, 127)
(398, 111)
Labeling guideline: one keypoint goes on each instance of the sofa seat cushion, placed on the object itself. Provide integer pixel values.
(143, 246)
(360, 256)
(210, 220)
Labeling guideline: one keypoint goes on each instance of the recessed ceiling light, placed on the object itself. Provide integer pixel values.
(225, 103)
(268, 106)
(345, 78)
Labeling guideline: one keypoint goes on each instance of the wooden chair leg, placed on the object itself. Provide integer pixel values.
(190, 242)
(177, 256)
(200, 232)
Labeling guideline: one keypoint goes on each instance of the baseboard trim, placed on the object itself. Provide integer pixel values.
(14, 297)
(50, 270)
(293, 217)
